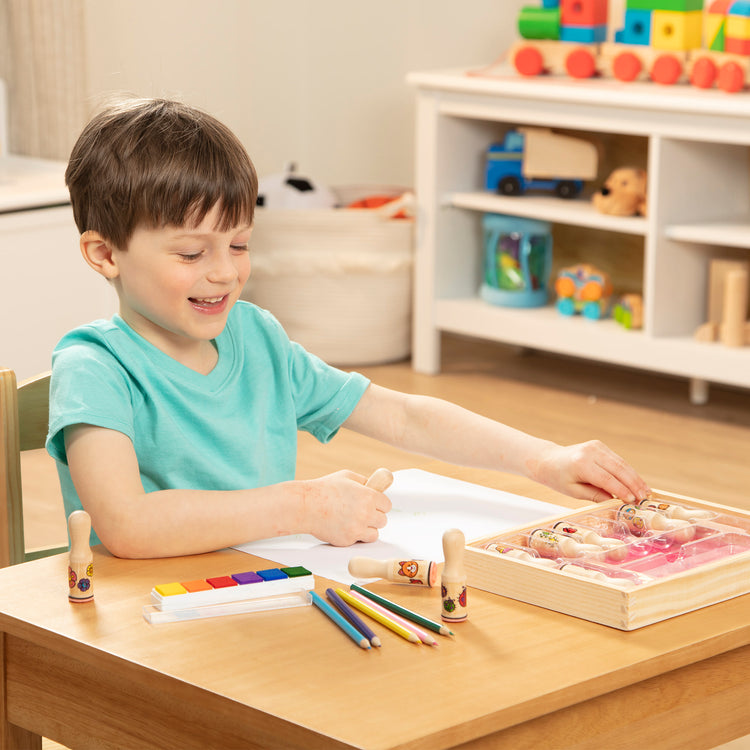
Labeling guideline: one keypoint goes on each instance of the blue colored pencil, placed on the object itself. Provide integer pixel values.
(348, 628)
(350, 615)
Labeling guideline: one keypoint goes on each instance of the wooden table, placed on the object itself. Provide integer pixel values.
(98, 676)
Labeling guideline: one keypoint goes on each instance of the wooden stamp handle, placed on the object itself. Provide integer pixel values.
(453, 579)
(80, 566)
(415, 572)
(380, 480)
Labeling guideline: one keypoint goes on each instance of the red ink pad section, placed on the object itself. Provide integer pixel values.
(222, 582)
(249, 577)
(196, 586)
(272, 574)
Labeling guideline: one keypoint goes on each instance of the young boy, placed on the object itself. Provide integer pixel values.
(175, 423)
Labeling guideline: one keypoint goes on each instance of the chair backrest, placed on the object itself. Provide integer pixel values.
(24, 411)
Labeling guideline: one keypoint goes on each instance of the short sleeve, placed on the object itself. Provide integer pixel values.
(87, 387)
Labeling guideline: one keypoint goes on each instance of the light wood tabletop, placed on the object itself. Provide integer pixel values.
(97, 675)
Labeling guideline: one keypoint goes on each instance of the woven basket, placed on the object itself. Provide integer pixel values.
(338, 280)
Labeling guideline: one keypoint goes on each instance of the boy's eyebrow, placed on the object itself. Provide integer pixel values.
(195, 233)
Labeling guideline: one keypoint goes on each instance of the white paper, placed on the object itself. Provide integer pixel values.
(425, 505)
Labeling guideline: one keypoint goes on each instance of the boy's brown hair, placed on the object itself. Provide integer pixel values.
(156, 162)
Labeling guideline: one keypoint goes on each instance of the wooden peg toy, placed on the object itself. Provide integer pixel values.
(520, 554)
(671, 510)
(81, 561)
(615, 549)
(640, 520)
(380, 480)
(552, 544)
(415, 572)
(453, 579)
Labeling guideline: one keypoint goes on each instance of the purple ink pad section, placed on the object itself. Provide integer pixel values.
(249, 577)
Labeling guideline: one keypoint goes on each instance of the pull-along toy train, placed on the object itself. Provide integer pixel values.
(666, 41)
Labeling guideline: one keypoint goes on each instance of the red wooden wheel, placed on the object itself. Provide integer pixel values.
(666, 69)
(627, 66)
(580, 63)
(704, 72)
(528, 61)
(731, 78)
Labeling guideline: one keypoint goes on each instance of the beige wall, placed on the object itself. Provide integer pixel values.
(319, 82)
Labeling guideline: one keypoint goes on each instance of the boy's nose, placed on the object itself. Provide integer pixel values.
(223, 269)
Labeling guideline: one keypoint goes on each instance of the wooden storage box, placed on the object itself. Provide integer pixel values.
(670, 579)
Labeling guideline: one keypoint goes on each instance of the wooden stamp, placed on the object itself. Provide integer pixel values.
(414, 572)
(380, 480)
(453, 579)
(81, 561)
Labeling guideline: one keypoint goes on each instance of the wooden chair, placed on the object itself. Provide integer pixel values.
(24, 411)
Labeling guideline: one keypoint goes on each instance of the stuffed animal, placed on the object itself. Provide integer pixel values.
(289, 190)
(623, 193)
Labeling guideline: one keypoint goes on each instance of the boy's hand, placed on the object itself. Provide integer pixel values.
(589, 471)
(341, 510)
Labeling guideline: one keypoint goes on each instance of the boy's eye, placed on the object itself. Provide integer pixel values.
(239, 246)
(189, 257)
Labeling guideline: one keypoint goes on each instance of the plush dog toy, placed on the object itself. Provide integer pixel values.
(623, 193)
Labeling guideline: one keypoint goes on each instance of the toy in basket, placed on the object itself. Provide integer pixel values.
(517, 261)
(619, 564)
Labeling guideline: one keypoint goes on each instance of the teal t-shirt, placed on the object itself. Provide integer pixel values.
(235, 428)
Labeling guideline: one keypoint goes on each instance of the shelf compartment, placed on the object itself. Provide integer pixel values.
(722, 233)
(602, 340)
(579, 213)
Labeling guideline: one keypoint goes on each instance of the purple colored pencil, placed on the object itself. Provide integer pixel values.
(347, 611)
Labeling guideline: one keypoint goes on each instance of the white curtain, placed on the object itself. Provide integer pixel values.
(42, 60)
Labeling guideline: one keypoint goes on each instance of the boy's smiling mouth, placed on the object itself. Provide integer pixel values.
(208, 303)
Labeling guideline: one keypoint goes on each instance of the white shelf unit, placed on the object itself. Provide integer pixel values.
(698, 148)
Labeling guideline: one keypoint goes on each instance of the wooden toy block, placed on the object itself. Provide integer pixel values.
(738, 27)
(728, 303)
(714, 29)
(737, 46)
(583, 12)
(678, 6)
(665, 569)
(676, 31)
(539, 23)
(636, 28)
(583, 34)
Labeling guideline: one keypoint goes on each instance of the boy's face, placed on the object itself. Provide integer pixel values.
(176, 285)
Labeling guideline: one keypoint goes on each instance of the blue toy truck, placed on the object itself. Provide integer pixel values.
(538, 159)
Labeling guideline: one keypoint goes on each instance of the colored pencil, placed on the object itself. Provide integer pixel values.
(436, 627)
(345, 610)
(423, 635)
(378, 617)
(344, 624)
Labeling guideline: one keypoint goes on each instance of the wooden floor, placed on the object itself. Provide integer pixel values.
(702, 451)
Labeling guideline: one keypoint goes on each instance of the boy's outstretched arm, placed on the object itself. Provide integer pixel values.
(337, 508)
(445, 431)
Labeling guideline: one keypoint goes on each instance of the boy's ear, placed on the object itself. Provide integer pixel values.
(98, 253)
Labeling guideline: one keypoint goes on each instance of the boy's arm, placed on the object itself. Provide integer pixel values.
(337, 508)
(445, 431)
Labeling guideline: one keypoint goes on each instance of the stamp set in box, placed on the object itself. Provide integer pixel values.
(621, 565)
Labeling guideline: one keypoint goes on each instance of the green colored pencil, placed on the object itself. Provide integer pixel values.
(399, 610)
